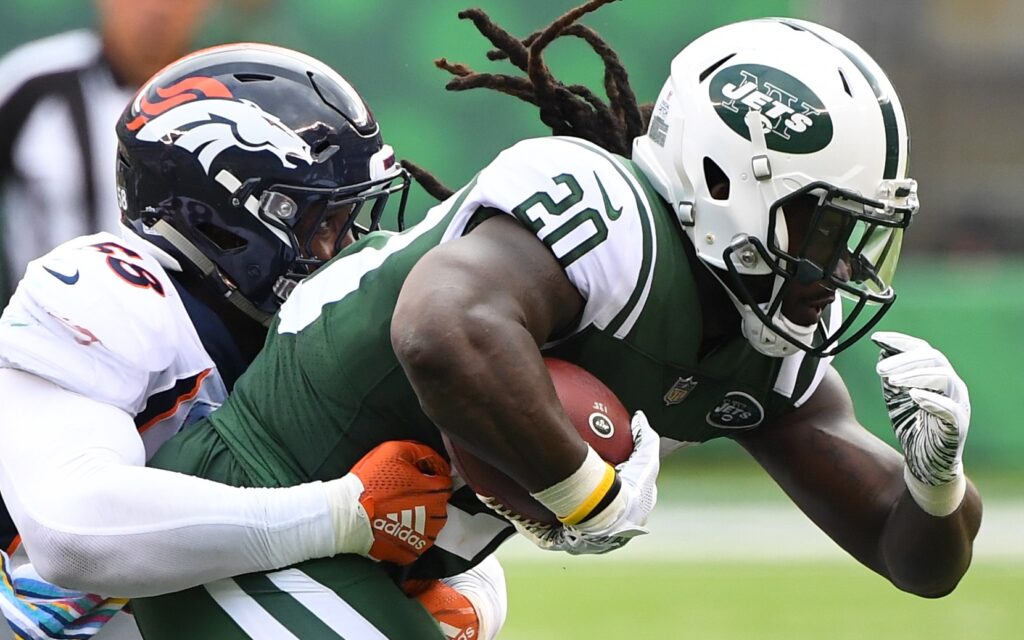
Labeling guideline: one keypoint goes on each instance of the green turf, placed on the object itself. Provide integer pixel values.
(743, 601)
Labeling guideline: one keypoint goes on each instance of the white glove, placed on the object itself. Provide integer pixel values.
(930, 412)
(621, 521)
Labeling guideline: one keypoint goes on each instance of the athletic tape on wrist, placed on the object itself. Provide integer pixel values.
(588, 491)
(936, 500)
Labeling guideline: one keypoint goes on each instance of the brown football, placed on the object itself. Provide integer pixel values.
(594, 410)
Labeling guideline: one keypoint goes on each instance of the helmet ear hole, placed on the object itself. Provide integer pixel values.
(222, 238)
(716, 180)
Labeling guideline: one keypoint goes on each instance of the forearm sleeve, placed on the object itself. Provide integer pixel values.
(92, 518)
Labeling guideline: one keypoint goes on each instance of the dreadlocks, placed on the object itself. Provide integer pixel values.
(572, 110)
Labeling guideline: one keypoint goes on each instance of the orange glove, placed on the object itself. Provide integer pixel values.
(406, 486)
(452, 610)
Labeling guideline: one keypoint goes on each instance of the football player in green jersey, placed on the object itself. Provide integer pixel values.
(698, 279)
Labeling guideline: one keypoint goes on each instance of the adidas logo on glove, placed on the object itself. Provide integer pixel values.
(409, 525)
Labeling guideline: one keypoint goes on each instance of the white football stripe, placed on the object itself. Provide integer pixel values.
(246, 612)
(325, 605)
(466, 534)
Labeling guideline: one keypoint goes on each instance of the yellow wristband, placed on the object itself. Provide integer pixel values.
(595, 498)
(589, 490)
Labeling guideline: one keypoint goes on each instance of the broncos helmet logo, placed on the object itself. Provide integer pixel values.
(201, 116)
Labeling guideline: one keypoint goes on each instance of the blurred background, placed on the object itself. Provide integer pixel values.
(730, 558)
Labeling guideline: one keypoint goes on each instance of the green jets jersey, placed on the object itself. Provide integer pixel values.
(327, 387)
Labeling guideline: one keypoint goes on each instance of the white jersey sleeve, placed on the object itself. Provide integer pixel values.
(585, 205)
(100, 318)
(93, 339)
(93, 518)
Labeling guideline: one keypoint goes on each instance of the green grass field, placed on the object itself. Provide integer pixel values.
(757, 594)
(753, 601)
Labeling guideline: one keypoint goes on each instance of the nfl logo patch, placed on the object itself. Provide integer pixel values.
(679, 390)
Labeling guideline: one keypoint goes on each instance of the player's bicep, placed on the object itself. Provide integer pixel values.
(45, 429)
(499, 268)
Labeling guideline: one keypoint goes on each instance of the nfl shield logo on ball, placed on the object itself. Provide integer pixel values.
(601, 425)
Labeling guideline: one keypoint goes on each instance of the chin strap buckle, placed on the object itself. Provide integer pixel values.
(760, 166)
(284, 287)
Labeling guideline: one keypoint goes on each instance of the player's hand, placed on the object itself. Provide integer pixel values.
(606, 531)
(638, 474)
(453, 611)
(928, 405)
(393, 503)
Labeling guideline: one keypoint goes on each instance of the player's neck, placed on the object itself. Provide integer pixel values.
(720, 322)
(247, 333)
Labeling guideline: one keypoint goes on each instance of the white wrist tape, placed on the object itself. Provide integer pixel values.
(937, 500)
(584, 493)
(352, 531)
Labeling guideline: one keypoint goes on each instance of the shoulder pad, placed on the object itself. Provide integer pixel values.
(588, 208)
(94, 307)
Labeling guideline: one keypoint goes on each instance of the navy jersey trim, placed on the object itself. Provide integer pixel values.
(165, 404)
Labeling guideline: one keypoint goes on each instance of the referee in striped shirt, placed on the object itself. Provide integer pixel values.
(59, 100)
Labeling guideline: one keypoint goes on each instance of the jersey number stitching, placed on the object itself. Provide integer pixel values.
(133, 274)
(565, 258)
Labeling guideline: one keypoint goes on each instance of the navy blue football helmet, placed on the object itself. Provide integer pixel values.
(235, 162)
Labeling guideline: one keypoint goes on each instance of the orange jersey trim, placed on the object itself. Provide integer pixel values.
(185, 397)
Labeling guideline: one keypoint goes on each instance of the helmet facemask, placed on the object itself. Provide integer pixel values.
(839, 240)
(304, 215)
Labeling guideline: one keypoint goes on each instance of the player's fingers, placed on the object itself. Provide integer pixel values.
(894, 342)
(936, 379)
(910, 360)
(430, 462)
(942, 407)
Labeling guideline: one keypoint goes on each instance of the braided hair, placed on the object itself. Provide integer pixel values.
(569, 110)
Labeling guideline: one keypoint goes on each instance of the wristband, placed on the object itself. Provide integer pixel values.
(585, 493)
(936, 500)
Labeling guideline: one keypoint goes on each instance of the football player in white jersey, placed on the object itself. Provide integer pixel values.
(778, 151)
(262, 163)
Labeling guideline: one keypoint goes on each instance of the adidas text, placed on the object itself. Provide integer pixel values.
(403, 533)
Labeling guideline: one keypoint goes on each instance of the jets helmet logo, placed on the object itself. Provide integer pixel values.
(201, 116)
(793, 118)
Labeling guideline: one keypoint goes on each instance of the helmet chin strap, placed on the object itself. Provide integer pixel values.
(761, 336)
(210, 271)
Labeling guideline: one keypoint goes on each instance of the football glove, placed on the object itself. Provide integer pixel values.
(452, 610)
(471, 605)
(930, 411)
(393, 503)
(624, 519)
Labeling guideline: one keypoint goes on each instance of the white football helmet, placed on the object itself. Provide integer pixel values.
(769, 114)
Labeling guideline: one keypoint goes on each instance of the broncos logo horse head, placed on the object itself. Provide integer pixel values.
(206, 126)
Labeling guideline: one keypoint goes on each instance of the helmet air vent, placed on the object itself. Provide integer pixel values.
(716, 180)
(222, 238)
(704, 74)
(846, 85)
(253, 77)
